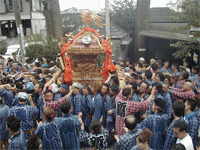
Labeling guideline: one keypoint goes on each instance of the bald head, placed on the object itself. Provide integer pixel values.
(130, 122)
(187, 86)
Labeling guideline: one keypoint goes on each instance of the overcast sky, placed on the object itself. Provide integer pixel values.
(100, 4)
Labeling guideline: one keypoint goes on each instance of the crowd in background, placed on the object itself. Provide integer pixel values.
(141, 106)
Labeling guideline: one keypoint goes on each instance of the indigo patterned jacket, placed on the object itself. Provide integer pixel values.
(157, 124)
(27, 115)
(9, 97)
(69, 130)
(168, 100)
(50, 135)
(76, 102)
(87, 109)
(17, 142)
(170, 138)
(128, 140)
(98, 107)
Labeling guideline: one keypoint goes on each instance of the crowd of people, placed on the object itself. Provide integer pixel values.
(141, 106)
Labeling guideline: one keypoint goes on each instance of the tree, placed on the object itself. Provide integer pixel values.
(122, 13)
(190, 12)
(71, 19)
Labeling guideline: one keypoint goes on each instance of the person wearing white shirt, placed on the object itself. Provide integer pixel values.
(180, 131)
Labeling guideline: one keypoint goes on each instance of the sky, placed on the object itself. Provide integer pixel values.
(100, 4)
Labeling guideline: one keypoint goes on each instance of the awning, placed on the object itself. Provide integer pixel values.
(165, 35)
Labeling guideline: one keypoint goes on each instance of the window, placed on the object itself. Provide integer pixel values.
(38, 5)
(10, 6)
(2, 6)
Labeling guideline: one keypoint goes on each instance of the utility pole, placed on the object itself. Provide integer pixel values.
(20, 32)
(107, 19)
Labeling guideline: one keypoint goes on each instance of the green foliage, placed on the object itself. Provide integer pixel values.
(48, 49)
(123, 12)
(190, 14)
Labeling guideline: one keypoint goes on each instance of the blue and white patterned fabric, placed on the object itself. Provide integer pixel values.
(192, 126)
(50, 135)
(167, 71)
(170, 138)
(98, 109)
(107, 119)
(27, 115)
(134, 97)
(197, 114)
(57, 96)
(9, 97)
(157, 124)
(149, 81)
(136, 148)
(128, 140)
(76, 102)
(17, 142)
(100, 141)
(69, 130)
(87, 109)
(168, 100)
(176, 73)
(193, 77)
(4, 113)
(40, 105)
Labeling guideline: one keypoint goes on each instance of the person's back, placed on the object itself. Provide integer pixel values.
(156, 123)
(49, 131)
(69, 128)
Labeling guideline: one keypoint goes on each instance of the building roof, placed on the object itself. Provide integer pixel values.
(115, 31)
(165, 35)
(161, 15)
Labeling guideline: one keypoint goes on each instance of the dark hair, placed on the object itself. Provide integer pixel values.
(158, 86)
(192, 103)
(167, 77)
(159, 62)
(13, 123)
(178, 146)
(185, 74)
(126, 92)
(140, 65)
(87, 88)
(178, 108)
(36, 76)
(134, 86)
(49, 113)
(195, 67)
(115, 79)
(95, 126)
(130, 122)
(37, 64)
(106, 85)
(175, 65)
(145, 136)
(146, 84)
(28, 60)
(134, 76)
(154, 66)
(161, 76)
(181, 125)
(65, 107)
(46, 71)
(41, 85)
(148, 74)
(48, 91)
(133, 68)
(175, 78)
(33, 143)
(114, 88)
(197, 98)
(19, 86)
(160, 103)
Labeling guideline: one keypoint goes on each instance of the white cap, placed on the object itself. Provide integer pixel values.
(54, 88)
(142, 59)
(77, 85)
(22, 95)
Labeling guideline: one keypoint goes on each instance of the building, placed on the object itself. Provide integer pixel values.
(33, 21)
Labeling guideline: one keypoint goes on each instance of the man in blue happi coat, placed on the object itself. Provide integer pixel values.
(76, 98)
(17, 140)
(191, 120)
(128, 140)
(178, 109)
(69, 127)
(157, 123)
(25, 113)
